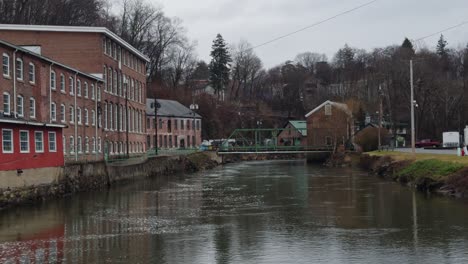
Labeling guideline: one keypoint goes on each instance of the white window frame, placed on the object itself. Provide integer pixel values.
(20, 105)
(54, 149)
(53, 111)
(93, 92)
(72, 115)
(78, 115)
(71, 142)
(93, 147)
(8, 103)
(86, 117)
(19, 69)
(21, 141)
(7, 65)
(328, 109)
(11, 141)
(64, 143)
(63, 113)
(93, 118)
(32, 73)
(86, 144)
(71, 85)
(53, 80)
(36, 141)
(85, 89)
(62, 83)
(79, 147)
(78, 87)
(32, 107)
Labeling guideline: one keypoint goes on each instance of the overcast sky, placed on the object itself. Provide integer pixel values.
(383, 23)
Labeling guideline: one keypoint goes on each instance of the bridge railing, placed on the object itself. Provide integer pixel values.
(273, 148)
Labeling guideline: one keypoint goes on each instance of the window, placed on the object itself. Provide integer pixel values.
(72, 114)
(104, 46)
(78, 115)
(93, 92)
(78, 145)
(198, 124)
(62, 83)
(99, 145)
(72, 144)
(105, 115)
(20, 105)
(93, 145)
(6, 103)
(104, 77)
(53, 111)
(78, 87)
(32, 73)
(114, 82)
(71, 85)
(111, 117)
(39, 140)
(64, 143)
(328, 110)
(85, 91)
(109, 83)
(7, 140)
(114, 50)
(62, 113)
(52, 80)
(328, 141)
(99, 94)
(52, 142)
(6, 65)
(24, 141)
(86, 117)
(86, 145)
(93, 118)
(32, 107)
(19, 69)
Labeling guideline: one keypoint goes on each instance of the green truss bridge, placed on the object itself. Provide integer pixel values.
(270, 141)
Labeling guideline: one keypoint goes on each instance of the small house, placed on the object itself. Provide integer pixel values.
(293, 134)
(329, 124)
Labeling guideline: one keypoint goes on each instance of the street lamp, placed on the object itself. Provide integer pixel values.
(194, 107)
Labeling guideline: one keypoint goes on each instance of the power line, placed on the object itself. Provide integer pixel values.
(315, 24)
(442, 31)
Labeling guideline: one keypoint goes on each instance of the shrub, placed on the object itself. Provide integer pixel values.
(432, 169)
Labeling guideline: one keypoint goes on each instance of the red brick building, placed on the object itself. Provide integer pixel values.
(329, 124)
(177, 125)
(101, 53)
(37, 91)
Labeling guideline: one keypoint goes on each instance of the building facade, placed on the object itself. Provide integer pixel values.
(329, 124)
(36, 89)
(101, 53)
(175, 126)
(293, 134)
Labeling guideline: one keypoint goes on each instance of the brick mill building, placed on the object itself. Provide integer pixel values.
(329, 124)
(48, 111)
(98, 52)
(176, 126)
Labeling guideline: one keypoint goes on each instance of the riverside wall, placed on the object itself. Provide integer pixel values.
(32, 186)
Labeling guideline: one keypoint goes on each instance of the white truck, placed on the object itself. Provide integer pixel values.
(451, 139)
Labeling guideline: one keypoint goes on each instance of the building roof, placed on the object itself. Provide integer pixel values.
(170, 108)
(2, 42)
(8, 120)
(300, 125)
(75, 29)
(341, 106)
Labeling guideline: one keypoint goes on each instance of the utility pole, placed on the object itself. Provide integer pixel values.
(413, 139)
(380, 118)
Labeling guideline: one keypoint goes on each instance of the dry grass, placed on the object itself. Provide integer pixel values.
(419, 156)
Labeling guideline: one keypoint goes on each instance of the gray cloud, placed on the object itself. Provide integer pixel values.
(386, 22)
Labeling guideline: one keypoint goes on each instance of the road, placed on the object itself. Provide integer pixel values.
(429, 151)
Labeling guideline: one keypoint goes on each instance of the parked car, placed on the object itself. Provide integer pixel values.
(425, 143)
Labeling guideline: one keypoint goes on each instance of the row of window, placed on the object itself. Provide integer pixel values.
(115, 84)
(119, 148)
(8, 141)
(115, 118)
(150, 123)
(71, 115)
(96, 146)
(86, 92)
(19, 105)
(120, 54)
(165, 141)
(6, 62)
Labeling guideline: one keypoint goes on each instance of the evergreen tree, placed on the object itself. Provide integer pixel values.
(407, 49)
(442, 46)
(219, 65)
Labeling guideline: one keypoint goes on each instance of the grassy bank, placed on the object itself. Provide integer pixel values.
(447, 174)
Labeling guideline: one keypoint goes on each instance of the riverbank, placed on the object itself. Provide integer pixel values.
(442, 174)
(89, 176)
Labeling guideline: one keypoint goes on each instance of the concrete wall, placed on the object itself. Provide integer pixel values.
(31, 177)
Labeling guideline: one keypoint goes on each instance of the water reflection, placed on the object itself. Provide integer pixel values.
(257, 212)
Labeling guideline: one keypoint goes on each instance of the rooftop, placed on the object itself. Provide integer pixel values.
(169, 108)
(75, 29)
(300, 125)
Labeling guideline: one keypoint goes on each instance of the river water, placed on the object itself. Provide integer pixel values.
(254, 212)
